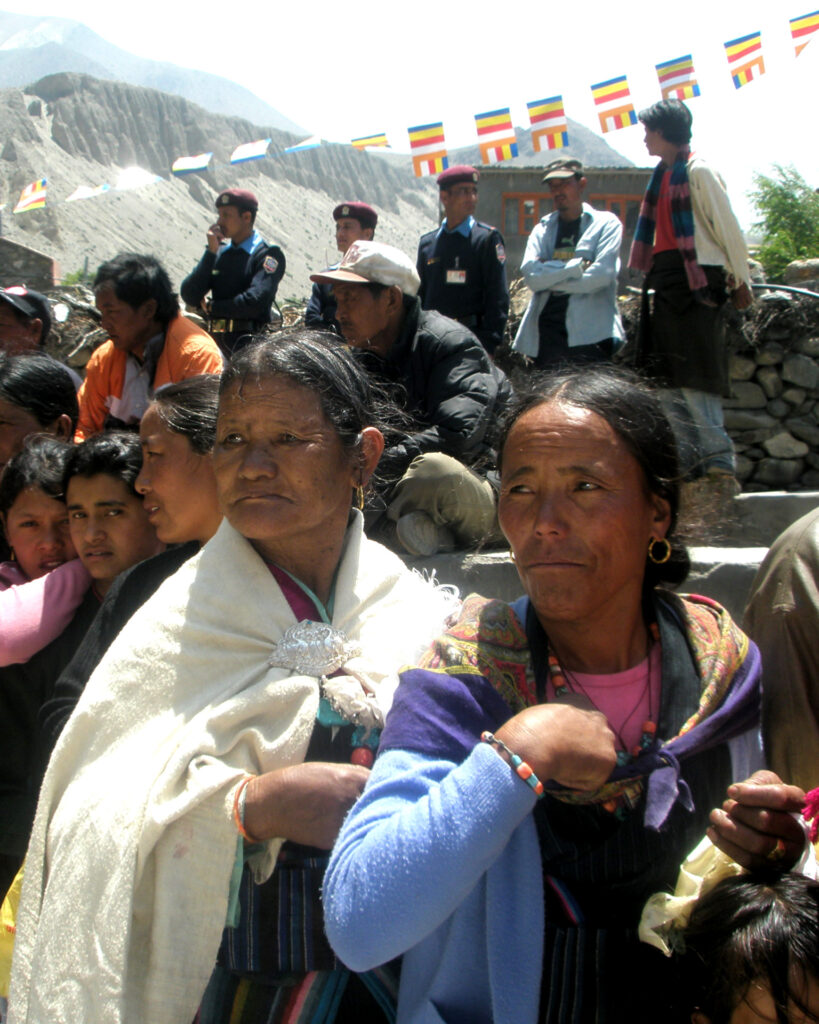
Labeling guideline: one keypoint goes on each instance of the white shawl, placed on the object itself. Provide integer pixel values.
(128, 870)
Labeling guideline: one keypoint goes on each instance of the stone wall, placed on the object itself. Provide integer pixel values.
(773, 414)
(21, 265)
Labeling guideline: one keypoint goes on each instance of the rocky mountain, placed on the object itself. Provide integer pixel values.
(77, 130)
(31, 47)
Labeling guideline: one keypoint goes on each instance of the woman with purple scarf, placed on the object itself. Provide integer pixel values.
(551, 762)
(690, 245)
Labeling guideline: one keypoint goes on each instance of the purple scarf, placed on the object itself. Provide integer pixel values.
(441, 712)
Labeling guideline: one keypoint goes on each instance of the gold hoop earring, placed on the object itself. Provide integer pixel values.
(666, 552)
(512, 558)
(359, 498)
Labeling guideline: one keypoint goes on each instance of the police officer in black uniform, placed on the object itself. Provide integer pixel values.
(239, 269)
(354, 222)
(462, 265)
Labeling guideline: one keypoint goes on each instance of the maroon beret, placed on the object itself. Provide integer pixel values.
(241, 198)
(362, 212)
(456, 175)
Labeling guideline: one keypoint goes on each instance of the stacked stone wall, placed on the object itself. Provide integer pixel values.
(773, 412)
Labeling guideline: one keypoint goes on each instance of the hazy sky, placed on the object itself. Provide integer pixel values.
(346, 70)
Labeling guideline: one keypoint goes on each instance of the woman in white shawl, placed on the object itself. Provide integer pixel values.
(183, 767)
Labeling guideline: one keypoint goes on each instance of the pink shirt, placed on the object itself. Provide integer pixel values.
(664, 237)
(627, 699)
(35, 612)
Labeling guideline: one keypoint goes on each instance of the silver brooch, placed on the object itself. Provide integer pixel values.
(313, 649)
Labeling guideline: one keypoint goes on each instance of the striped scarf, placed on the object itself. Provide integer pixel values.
(682, 220)
(489, 640)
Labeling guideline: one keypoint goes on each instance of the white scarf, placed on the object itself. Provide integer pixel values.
(128, 870)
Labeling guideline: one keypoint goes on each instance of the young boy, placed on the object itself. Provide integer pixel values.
(111, 532)
(108, 524)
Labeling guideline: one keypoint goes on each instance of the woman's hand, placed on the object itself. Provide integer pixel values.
(742, 297)
(755, 825)
(305, 803)
(574, 747)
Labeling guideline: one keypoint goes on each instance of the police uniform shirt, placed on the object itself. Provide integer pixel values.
(463, 276)
(321, 306)
(242, 280)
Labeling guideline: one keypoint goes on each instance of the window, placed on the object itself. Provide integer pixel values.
(522, 210)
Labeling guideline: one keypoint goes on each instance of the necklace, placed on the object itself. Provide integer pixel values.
(564, 682)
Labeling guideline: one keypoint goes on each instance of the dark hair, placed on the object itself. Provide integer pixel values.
(749, 928)
(632, 409)
(136, 278)
(319, 362)
(114, 453)
(41, 313)
(41, 464)
(671, 118)
(40, 385)
(190, 408)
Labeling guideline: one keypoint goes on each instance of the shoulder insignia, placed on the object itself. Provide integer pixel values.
(270, 265)
(499, 249)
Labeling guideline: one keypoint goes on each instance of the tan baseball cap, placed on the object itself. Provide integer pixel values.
(374, 262)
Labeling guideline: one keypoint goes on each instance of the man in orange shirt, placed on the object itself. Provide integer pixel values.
(150, 344)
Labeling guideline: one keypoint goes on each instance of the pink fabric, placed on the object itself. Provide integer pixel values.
(300, 604)
(35, 612)
(615, 695)
(664, 237)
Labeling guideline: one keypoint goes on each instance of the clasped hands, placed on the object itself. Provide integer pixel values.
(574, 745)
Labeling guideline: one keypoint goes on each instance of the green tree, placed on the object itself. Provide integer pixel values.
(789, 208)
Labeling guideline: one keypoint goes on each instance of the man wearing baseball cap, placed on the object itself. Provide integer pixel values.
(354, 222)
(571, 264)
(435, 494)
(25, 320)
(239, 269)
(462, 265)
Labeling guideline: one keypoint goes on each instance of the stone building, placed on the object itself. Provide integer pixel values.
(21, 265)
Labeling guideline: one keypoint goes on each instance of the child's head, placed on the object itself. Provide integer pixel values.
(32, 506)
(752, 952)
(37, 395)
(108, 523)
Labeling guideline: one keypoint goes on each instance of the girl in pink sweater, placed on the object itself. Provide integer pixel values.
(43, 584)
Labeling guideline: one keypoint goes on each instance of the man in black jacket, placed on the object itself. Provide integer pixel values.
(239, 269)
(435, 492)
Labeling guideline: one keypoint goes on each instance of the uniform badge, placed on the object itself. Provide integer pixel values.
(499, 249)
(345, 211)
(270, 265)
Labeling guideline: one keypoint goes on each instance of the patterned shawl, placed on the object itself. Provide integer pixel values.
(682, 220)
(480, 671)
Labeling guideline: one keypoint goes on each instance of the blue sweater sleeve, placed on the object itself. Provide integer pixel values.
(413, 847)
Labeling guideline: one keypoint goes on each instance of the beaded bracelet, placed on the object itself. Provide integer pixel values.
(522, 769)
(239, 809)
